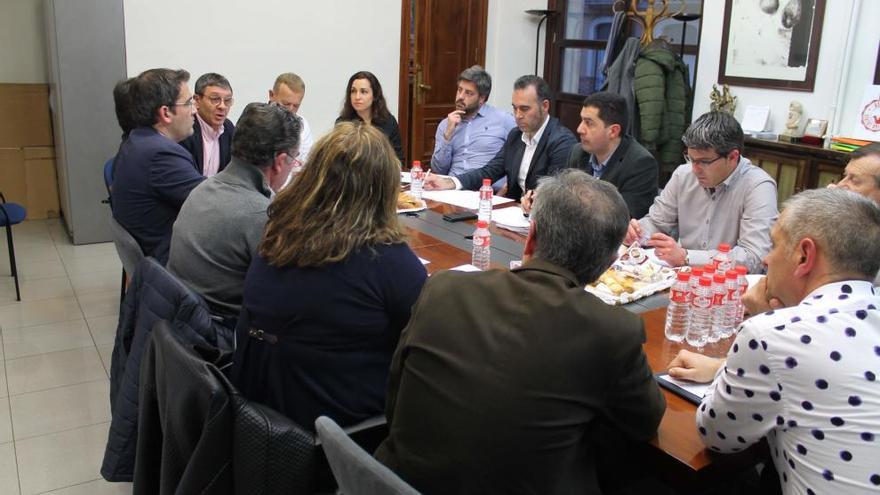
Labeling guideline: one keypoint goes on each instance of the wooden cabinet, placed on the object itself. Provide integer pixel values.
(796, 167)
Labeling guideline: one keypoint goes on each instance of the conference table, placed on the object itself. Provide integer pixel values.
(676, 454)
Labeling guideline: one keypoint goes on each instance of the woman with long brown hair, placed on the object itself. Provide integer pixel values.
(332, 285)
(364, 101)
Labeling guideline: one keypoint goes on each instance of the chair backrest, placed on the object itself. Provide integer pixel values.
(127, 248)
(355, 470)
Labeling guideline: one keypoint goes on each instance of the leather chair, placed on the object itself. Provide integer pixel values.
(355, 470)
(197, 434)
(11, 214)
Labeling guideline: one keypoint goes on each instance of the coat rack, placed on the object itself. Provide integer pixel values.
(649, 17)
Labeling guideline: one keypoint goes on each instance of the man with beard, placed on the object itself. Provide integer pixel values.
(537, 147)
(212, 132)
(472, 133)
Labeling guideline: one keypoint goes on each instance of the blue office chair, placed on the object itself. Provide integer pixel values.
(11, 214)
(108, 183)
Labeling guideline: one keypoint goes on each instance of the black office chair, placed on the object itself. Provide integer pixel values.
(12, 214)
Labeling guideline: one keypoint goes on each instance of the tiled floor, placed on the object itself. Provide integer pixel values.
(54, 362)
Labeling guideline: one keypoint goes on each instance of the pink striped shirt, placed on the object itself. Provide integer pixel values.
(210, 147)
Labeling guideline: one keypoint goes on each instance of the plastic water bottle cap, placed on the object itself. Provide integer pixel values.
(724, 248)
(732, 274)
(684, 276)
(482, 224)
(742, 270)
(705, 281)
(417, 163)
(487, 182)
(719, 278)
(697, 271)
(708, 268)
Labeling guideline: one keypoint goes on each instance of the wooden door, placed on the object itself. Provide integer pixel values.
(439, 39)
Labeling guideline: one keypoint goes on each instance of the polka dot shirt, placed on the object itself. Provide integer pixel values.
(806, 378)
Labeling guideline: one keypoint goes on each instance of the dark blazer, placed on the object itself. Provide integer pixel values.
(194, 145)
(152, 177)
(389, 127)
(632, 169)
(549, 158)
(501, 379)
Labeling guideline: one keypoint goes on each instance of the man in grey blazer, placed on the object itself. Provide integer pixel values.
(502, 378)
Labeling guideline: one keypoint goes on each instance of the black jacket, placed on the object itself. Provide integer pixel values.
(154, 294)
(632, 170)
(549, 158)
(193, 144)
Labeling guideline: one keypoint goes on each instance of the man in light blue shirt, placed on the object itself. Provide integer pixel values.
(472, 133)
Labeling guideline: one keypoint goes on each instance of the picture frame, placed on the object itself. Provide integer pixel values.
(774, 48)
(877, 66)
(816, 128)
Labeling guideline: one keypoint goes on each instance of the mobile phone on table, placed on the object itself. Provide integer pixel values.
(459, 216)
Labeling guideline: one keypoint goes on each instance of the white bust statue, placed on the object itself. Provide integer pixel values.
(795, 115)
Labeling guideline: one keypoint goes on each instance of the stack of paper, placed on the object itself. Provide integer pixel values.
(511, 218)
(464, 199)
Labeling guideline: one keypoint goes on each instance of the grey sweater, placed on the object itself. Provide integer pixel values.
(217, 232)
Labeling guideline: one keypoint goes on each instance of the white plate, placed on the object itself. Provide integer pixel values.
(411, 210)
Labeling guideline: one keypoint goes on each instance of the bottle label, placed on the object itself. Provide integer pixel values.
(718, 298)
(701, 301)
(679, 296)
(731, 294)
(480, 240)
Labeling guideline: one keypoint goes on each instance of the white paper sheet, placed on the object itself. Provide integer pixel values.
(424, 261)
(511, 218)
(466, 268)
(755, 118)
(698, 389)
(464, 199)
(405, 178)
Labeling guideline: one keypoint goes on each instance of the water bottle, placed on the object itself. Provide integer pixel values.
(701, 314)
(743, 283)
(731, 304)
(482, 241)
(418, 176)
(678, 312)
(722, 260)
(485, 211)
(694, 282)
(709, 271)
(719, 294)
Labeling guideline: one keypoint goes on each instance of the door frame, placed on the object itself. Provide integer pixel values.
(404, 110)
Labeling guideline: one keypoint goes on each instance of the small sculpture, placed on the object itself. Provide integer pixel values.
(793, 124)
(722, 101)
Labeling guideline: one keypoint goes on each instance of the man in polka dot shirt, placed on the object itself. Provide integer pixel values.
(805, 376)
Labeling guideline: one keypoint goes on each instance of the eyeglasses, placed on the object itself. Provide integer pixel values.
(187, 103)
(215, 100)
(701, 163)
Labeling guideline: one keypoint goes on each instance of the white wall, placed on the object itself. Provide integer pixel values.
(22, 42)
(510, 46)
(822, 102)
(250, 43)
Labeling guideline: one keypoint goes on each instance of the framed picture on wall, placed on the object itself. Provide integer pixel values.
(877, 67)
(771, 43)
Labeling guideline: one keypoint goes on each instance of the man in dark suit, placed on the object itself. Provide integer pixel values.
(538, 146)
(152, 174)
(608, 153)
(211, 139)
(502, 379)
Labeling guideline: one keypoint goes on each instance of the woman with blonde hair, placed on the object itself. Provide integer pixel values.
(332, 285)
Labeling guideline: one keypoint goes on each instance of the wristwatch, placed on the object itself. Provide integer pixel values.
(687, 258)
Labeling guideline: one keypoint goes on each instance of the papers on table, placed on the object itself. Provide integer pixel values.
(405, 178)
(690, 391)
(466, 268)
(424, 261)
(464, 199)
(511, 218)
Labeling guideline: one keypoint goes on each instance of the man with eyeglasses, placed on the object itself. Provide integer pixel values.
(152, 174)
(212, 131)
(221, 223)
(717, 197)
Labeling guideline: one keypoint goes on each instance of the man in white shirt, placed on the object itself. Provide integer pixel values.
(211, 139)
(805, 376)
(537, 147)
(289, 91)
